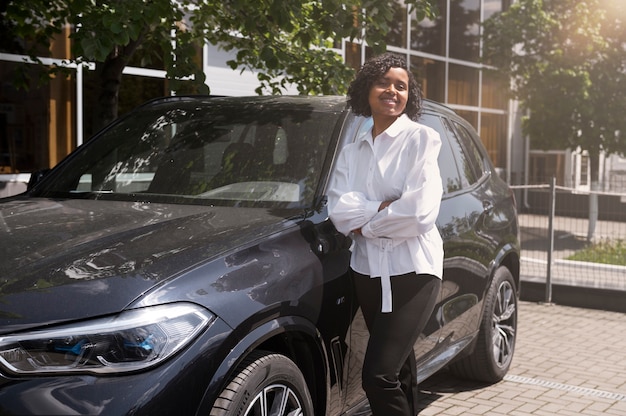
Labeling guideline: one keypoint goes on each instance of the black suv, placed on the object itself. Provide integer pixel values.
(182, 262)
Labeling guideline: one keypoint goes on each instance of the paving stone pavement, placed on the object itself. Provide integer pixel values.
(568, 362)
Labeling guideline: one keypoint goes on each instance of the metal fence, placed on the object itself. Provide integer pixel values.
(555, 227)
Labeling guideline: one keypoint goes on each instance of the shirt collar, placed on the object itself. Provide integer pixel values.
(392, 131)
(398, 126)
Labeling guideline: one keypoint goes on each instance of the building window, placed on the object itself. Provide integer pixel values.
(465, 29)
(493, 134)
(491, 7)
(543, 166)
(431, 75)
(580, 169)
(398, 31)
(492, 92)
(428, 35)
(463, 85)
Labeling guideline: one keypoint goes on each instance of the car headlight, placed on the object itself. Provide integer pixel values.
(133, 340)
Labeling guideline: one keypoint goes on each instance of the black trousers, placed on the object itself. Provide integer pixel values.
(389, 368)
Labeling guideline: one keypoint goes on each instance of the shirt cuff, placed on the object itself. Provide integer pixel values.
(371, 208)
(366, 231)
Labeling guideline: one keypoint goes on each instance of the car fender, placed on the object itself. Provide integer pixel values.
(506, 256)
(251, 341)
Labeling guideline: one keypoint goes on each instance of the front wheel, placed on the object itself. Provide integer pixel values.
(495, 344)
(265, 384)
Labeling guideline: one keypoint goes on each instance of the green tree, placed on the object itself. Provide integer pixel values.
(285, 41)
(567, 63)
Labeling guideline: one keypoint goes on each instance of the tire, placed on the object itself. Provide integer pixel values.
(495, 343)
(265, 384)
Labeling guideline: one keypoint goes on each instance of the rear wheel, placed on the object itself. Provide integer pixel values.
(265, 384)
(495, 344)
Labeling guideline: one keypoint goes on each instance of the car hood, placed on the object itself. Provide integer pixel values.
(68, 259)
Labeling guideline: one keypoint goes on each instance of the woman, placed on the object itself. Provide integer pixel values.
(386, 191)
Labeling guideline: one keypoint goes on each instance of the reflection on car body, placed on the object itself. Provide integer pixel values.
(165, 263)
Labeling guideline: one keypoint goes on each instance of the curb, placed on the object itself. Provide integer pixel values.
(577, 296)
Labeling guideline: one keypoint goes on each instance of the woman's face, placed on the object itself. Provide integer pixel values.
(389, 94)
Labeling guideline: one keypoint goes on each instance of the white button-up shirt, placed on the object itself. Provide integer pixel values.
(399, 166)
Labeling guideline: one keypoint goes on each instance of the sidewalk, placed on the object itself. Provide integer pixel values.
(568, 362)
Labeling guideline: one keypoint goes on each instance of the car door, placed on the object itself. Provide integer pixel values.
(468, 253)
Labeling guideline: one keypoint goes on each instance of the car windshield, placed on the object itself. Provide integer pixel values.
(203, 152)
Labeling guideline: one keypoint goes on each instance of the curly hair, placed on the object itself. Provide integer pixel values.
(370, 72)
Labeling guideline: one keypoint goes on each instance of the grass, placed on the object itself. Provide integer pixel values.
(606, 251)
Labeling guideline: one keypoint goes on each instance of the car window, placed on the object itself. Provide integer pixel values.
(450, 177)
(474, 155)
(466, 164)
(207, 153)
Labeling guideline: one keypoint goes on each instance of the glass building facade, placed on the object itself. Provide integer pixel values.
(40, 126)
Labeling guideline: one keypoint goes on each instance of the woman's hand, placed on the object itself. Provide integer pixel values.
(384, 205)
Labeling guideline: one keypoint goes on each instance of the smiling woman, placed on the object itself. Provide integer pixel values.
(386, 195)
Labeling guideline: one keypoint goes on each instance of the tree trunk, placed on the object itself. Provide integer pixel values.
(109, 73)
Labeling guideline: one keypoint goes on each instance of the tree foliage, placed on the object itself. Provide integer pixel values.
(285, 41)
(567, 63)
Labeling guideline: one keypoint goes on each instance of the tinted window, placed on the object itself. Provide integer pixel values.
(447, 163)
(203, 154)
(465, 164)
(474, 155)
